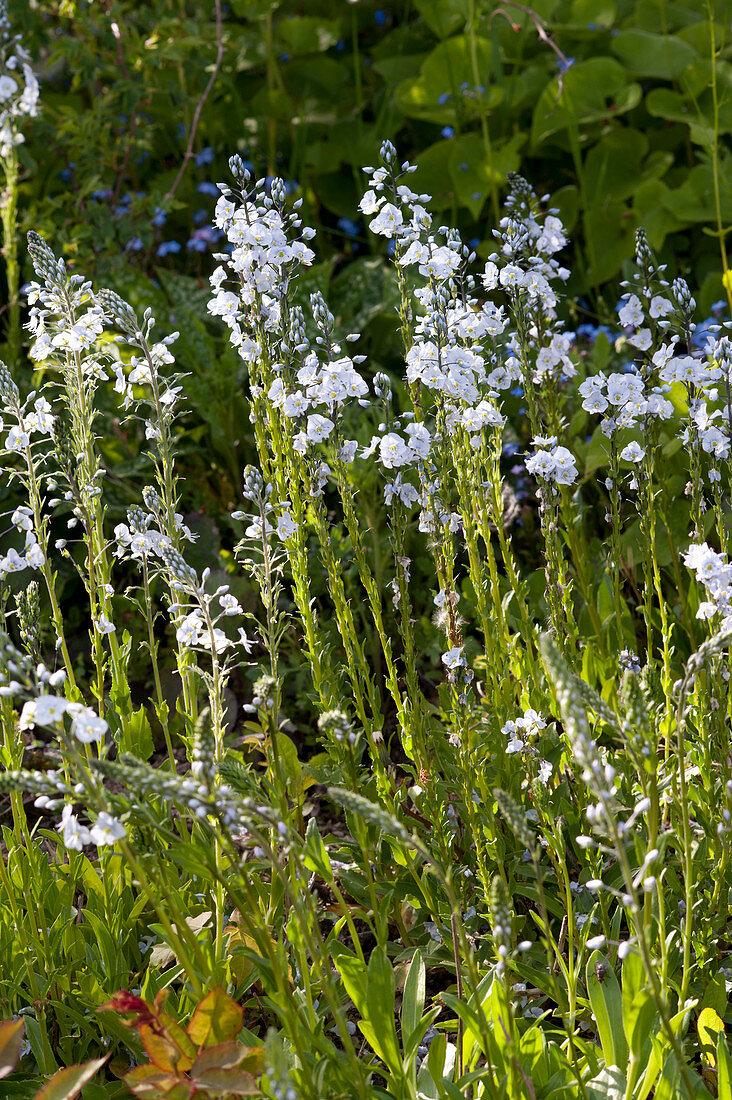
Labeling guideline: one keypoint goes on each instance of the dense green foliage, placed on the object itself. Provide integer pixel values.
(450, 818)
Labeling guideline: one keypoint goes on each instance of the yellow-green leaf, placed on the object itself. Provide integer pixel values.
(709, 1026)
(11, 1037)
(68, 1083)
(217, 1019)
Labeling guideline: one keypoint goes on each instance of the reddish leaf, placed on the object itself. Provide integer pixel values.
(11, 1037)
(217, 1019)
(150, 1083)
(235, 1081)
(227, 1055)
(127, 1004)
(68, 1083)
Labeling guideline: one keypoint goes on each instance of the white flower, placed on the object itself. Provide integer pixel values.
(453, 658)
(319, 427)
(532, 722)
(48, 709)
(393, 451)
(106, 830)
(632, 453)
(632, 312)
(189, 630)
(104, 626)
(74, 835)
(34, 556)
(545, 771)
(565, 471)
(8, 87)
(87, 726)
(16, 439)
(489, 278)
(512, 275)
(13, 562)
(388, 221)
(541, 464)
(286, 526)
(369, 204)
(295, 404)
(348, 450)
(229, 604)
(641, 340)
(660, 307)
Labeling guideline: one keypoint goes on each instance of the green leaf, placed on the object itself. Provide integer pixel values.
(380, 990)
(443, 72)
(591, 91)
(353, 976)
(316, 855)
(675, 107)
(671, 1084)
(414, 994)
(443, 16)
(68, 1083)
(136, 735)
(607, 1004)
(308, 34)
(609, 1084)
(475, 168)
(724, 1064)
(664, 56)
(11, 1039)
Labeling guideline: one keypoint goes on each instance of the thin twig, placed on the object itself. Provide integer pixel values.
(540, 26)
(200, 105)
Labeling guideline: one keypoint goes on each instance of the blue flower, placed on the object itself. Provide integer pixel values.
(349, 227)
(474, 242)
(718, 308)
(477, 195)
(160, 216)
(465, 167)
(518, 391)
(165, 248)
(380, 17)
(284, 57)
(103, 194)
(564, 63)
(205, 156)
(701, 332)
(448, 131)
(206, 188)
(442, 99)
(200, 217)
(390, 247)
(181, 131)
(134, 244)
(196, 244)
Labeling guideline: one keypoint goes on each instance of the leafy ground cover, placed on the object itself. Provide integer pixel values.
(401, 769)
